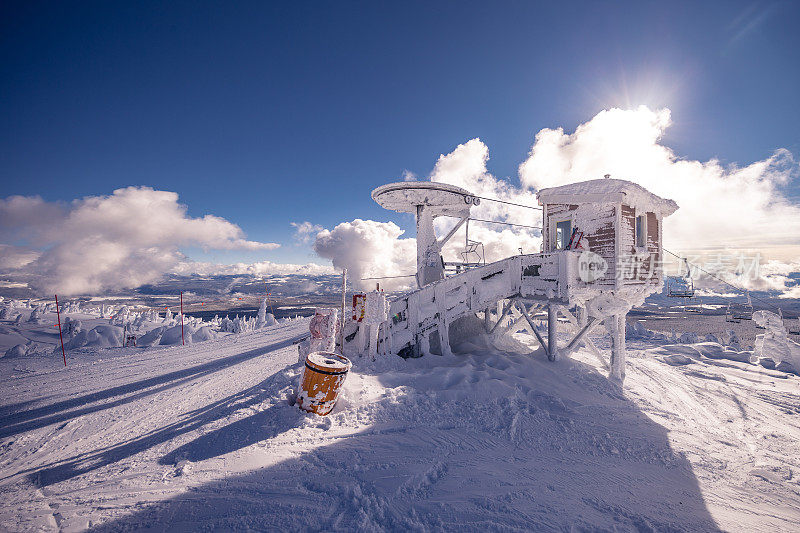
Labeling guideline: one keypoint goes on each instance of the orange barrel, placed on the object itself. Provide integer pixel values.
(323, 376)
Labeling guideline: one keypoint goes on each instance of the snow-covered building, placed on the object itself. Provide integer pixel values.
(618, 220)
(601, 255)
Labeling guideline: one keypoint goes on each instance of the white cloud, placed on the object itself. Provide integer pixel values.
(27, 217)
(719, 206)
(793, 292)
(305, 232)
(369, 249)
(775, 276)
(465, 167)
(13, 257)
(126, 239)
(409, 176)
(261, 268)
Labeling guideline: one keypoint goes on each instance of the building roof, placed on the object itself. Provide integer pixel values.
(607, 190)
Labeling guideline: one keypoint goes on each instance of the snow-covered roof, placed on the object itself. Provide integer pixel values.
(440, 198)
(607, 190)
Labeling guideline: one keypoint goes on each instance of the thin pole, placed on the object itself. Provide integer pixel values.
(182, 341)
(269, 303)
(344, 292)
(60, 336)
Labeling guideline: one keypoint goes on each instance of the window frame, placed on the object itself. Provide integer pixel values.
(554, 222)
(636, 225)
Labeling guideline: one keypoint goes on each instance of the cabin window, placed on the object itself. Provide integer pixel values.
(563, 234)
(641, 231)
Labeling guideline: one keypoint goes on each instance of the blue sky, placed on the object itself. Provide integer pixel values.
(267, 113)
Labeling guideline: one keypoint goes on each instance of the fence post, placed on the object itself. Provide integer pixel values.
(60, 336)
(182, 341)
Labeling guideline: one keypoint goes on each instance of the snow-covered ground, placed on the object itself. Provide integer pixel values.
(204, 436)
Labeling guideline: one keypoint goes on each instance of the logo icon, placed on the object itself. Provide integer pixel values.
(591, 266)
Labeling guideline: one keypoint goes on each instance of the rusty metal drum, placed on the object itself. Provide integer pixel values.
(323, 376)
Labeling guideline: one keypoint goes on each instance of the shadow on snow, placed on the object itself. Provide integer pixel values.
(66, 410)
(262, 425)
(533, 462)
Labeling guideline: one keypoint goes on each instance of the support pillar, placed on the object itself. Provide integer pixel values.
(533, 329)
(362, 339)
(616, 327)
(429, 264)
(425, 343)
(552, 345)
(373, 341)
(444, 338)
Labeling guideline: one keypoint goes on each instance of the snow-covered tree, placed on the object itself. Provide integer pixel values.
(6, 313)
(262, 314)
(37, 314)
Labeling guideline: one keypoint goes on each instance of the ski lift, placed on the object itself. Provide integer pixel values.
(741, 311)
(472, 256)
(681, 286)
(473, 253)
(694, 305)
(729, 317)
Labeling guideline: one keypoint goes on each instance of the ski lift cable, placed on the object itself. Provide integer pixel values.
(506, 202)
(734, 287)
(389, 277)
(502, 222)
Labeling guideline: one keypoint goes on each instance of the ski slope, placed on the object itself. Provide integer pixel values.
(205, 437)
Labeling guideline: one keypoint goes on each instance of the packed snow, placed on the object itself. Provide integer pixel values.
(702, 437)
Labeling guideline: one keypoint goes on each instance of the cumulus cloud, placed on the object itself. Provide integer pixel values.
(369, 249)
(737, 207)
(305, 232)
(126, 239)
(465, 167)
(771, 275)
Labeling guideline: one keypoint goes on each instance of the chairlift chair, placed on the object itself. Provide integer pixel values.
(471, 251)
(729, 316)
(741, 311)
(472, 256)
(694, 305)
(681, 286)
